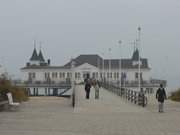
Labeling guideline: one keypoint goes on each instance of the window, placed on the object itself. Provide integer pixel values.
(104, 75)
(111, 75)
(101, 75)
(136, 75)
(93, 75)
(32, 75)
(123, 76)
(54, 75)
(79, 75)
(96, 74)
(29, 76)
(60, 75)
(46, 75)
(76, 75)
(63, 75)
(115, 75)
(68, 75)
(141, 76)
(107, 74)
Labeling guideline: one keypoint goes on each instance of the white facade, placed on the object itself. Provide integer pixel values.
(40, 75)
(60, 75)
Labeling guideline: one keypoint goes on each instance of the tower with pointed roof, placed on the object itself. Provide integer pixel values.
(34, 60)
(37, 59)
(40, 56)
(135, 57)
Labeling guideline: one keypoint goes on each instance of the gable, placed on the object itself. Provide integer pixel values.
(86, 66)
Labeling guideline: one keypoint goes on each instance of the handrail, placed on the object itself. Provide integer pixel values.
(135, 97)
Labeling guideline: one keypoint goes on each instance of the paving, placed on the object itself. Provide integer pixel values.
(110, 115)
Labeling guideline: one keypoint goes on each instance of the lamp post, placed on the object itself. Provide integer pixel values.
(120, 63)
(73, 82)
(103, 76)
(72, 73)
(139, 59)
(109, 66)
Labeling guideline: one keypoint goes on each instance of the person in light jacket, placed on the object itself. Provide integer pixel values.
(96, 85)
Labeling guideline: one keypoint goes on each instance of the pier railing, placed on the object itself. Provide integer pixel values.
(73, 97)
(132, 96)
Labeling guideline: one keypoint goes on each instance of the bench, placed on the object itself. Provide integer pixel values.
(3, 104)
(12, 105)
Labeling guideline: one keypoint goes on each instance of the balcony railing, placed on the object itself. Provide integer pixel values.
(62, 84)
(150, 83)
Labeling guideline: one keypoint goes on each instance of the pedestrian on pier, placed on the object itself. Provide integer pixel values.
(141, 97)
(96, 85)
(87, 82)
(161, 96)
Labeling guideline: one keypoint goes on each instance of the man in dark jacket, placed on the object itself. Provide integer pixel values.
(161, 96)
(87, 82)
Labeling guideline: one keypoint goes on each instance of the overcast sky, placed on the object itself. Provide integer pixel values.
(68, 28)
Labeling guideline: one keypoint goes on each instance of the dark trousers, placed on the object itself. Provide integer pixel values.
(87, 94)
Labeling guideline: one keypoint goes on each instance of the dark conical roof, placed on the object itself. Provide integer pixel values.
(34, 56)
(135, 56)
(41, 58)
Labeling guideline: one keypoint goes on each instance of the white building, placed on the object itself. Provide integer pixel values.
(44, 79)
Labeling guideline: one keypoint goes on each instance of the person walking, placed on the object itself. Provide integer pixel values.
(141, 97)
(96, 85)
(161, 96)
(87, 82)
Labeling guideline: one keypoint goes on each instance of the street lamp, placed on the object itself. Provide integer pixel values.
(139, 59)
(72, 73)
(109, 65)
(120, 63)
(103, 72)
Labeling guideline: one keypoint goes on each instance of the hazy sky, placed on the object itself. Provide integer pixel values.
(68, 28)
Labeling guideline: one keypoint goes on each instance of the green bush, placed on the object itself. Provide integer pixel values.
(175, 96)
(19, 94)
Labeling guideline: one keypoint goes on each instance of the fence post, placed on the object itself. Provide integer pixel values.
(135, 97)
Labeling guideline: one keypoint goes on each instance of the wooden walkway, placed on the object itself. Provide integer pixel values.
(110, 115)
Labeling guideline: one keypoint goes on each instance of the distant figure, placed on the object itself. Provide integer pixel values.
(96, 85)
(161, 96)
(87, 82)
(141, 97)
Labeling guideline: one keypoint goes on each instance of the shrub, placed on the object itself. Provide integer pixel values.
(175, 96)
(19, 94)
